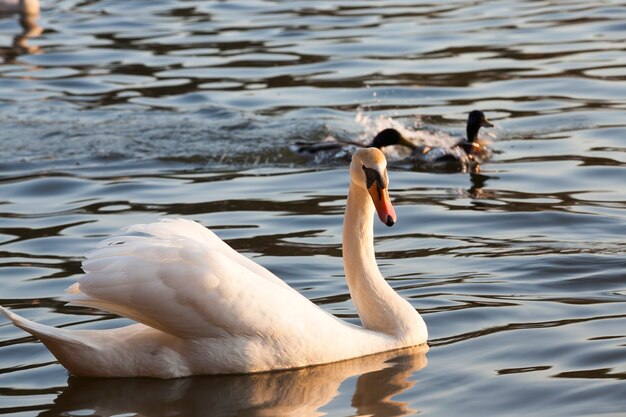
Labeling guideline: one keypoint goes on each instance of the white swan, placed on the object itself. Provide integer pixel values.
(203, 308)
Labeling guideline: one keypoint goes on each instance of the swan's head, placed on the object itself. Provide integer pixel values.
(368, 170)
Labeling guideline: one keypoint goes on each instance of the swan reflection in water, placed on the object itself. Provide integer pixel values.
(299, 392)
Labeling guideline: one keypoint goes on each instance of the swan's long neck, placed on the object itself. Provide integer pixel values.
(379, 306)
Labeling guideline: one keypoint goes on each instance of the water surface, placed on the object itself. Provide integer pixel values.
(118, 112)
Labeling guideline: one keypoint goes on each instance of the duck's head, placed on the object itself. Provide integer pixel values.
(475, 121)
(390, 137)
(368, 171)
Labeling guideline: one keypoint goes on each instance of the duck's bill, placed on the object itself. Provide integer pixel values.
(383, 206)
(404, 141)
(486, 123)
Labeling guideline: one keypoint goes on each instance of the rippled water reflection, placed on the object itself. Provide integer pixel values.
(118, 112)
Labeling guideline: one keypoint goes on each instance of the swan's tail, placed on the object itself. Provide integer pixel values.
(68, 346)
(40, 331)
(100, 353)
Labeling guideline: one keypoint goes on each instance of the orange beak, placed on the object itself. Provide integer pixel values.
(383, 206)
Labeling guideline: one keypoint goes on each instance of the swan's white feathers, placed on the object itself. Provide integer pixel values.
(41, 331)
(185, 286)
(187, 229)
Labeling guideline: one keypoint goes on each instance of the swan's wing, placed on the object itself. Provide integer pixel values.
(176, 228)
(187, 282)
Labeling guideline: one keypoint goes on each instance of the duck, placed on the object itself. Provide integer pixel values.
(471, 145)
(386, 137)
(462, 154)
(201, 308)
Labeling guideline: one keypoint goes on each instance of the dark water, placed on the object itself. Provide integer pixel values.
(122, 112)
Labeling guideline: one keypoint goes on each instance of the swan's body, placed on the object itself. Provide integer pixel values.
(203, 308)
(376, 382)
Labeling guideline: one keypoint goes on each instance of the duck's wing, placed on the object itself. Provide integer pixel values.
(435, 155)
(311, 148)
(183, 280)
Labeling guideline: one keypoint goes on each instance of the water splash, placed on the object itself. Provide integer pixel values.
(419, 132)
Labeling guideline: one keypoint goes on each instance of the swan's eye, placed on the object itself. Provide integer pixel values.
(373, 176)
